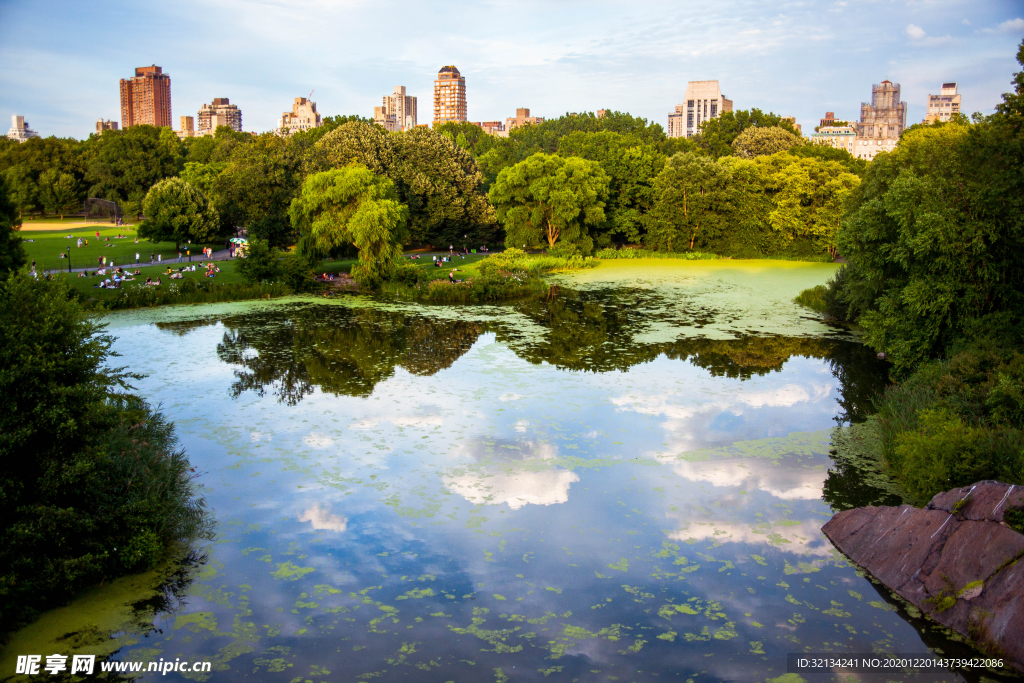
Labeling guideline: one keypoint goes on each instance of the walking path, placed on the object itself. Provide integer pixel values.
(222, 255)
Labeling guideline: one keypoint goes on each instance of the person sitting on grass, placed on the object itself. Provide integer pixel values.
(177, 276)
(83, 274)
(137, 272)
(149, 280)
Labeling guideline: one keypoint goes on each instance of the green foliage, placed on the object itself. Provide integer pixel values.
(353, 206)
(257, 186)
(57, 191)
(12, 252)
(124, 164)
(261, 262)
(199, 291)
(511, 259)
(177, 212)
(764, 141)
(547, 197)
(717, 134)
(813, 298)
(22, 188)
(631, 168)
(91, 482)
(435, 178)
(829, 153)
(695, 196)
(648, 254)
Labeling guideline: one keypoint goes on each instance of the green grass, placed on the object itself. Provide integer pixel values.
(47, 245)
(813, 298)
(86, 285)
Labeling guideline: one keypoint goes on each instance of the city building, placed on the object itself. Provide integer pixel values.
(831, 120)
(103, 124)
(522, 118)
(449, 96)
(601, 113)
(941, 107)
(703, 101)
(220, 113)
(188, 127)
(492, 128)
(839, 136)
(19, 130)
(792, 122)
(146, 98)
(303, 116)
(398, 111)
(881, 122)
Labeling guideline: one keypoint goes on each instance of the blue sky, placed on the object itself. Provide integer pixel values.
(62, 60)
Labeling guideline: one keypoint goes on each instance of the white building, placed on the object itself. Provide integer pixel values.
(398, 112)
(19, 130)
(220, 113)
(703, 101)
(303, 116)
(941, 107)
(840, 137)
(882, 122)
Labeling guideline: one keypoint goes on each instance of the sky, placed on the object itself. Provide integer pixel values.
(62, 59)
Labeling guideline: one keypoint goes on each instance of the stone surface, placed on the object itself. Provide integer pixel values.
(954, 559)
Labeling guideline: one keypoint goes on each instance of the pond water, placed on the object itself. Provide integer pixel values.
(625, 481)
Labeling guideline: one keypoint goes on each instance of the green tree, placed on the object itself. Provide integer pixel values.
(764, 141)
(631, 166)
(551, 198)
(257, 186)
(352, 205)
(23, 190)
(437, 179)
(177, 212)
(58, 191)
(261, 262)
(12, 252)
(695, 197)
(124, 164)
(717, 135)
(92, 484)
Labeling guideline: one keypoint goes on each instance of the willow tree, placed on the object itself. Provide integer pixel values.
(353, 206)
(548, 197)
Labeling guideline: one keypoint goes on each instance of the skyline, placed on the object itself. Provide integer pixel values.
(795, 59)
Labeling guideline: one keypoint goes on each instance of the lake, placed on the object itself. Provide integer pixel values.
(625, 481)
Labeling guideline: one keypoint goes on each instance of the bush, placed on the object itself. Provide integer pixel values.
(813, 298)
(648, 253)
(92, 485)
(508, 260)
(261, 262)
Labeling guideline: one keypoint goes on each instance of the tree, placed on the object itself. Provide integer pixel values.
(23, 191)
(177, 212)
(92, 484)
(58, 191)
(258, 184)
(717, 135)
(124, 164)
(631, 166)
(694, 197)
(764, 141)
(437, 179)
(352, 205)
(12, 252)
(552, 198)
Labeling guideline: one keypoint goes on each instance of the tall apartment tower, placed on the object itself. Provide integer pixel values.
(220, 113)
(146, 98)
(398, 112)
(941, 107)
(881, 122)
(449, 96)
(20, 131)
(703, 101)
(303, 116)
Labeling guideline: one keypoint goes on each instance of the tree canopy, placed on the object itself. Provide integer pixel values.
(761, 141)
(177, 212)
(717, 134)
(551, 198)
(12, 252)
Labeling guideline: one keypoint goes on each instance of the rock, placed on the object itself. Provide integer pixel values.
(955, 559)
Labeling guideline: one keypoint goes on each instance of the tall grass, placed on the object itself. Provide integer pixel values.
(648, 254)
(498, 286)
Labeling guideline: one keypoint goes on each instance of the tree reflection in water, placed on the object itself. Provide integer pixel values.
(345, 350)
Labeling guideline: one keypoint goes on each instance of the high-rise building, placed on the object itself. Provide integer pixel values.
(398, 112)
(703, 101)
(941, 107)
(522, 118)
(881, 122)
(449, 96)
(188, 127)
(103, 124)
(303, 116)
(220, 113)
(19, 130)
(146, 98)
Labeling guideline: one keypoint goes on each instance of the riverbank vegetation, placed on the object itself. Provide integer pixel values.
(92, 482)
(935, 279)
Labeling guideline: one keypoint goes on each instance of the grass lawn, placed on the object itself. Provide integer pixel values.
(44, 247)
(87, 285)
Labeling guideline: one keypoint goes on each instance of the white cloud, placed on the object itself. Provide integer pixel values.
(966, 22)
(492, 486)
(804, 538)
(1008, 26)
(915, 32)
(319, 440)
(322, 519)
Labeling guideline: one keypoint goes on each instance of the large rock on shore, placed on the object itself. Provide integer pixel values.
(956, 560)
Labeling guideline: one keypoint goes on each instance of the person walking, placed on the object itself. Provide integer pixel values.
(152, 258)
(136, 258)
(159, 258)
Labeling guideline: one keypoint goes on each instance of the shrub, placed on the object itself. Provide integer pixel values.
(648, 253)
(261, 262)
(92, 484)
(510, 259)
